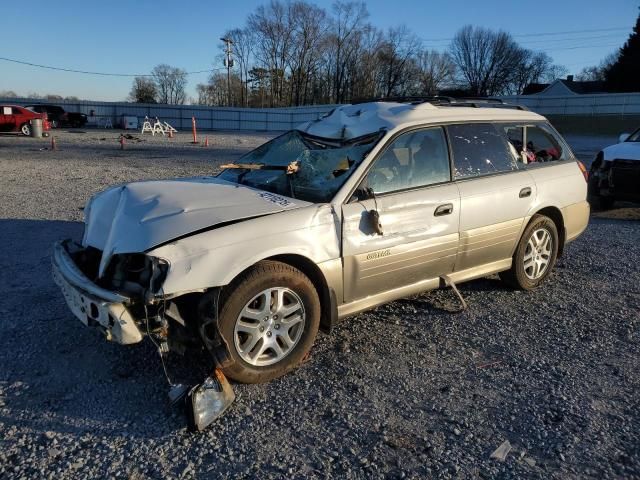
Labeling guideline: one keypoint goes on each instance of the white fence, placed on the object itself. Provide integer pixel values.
(621, 104)
(179, 116)
(622, 107)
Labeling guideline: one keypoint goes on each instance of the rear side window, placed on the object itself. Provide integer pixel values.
(542, 146)
(480, 149)
(534, 144)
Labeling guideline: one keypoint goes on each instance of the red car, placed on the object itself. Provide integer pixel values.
(18, 119)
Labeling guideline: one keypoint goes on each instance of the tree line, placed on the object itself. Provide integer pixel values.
(292, 53)
(619, 71)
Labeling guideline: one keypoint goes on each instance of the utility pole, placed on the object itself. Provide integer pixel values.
(228, 62)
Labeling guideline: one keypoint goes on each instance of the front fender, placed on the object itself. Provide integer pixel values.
(214, 258)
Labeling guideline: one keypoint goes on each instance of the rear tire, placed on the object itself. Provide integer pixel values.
(268, 320)
(535, 255)
(26, 129)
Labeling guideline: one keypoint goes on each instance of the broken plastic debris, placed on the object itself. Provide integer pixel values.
(209, 400)
(177, 392)
(502, 451)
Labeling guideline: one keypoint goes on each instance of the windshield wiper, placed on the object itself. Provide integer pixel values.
(292, 167)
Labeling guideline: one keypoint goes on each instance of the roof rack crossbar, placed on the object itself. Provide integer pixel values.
(441, 100)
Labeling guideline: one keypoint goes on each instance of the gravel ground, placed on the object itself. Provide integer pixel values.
(407, 390)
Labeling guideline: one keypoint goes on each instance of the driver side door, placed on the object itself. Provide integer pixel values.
(418, 208)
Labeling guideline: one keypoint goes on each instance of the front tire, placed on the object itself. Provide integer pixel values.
(535, 255)
(268, 320)
(26, 129)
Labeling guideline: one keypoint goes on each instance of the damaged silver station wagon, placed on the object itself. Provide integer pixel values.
(374, 202)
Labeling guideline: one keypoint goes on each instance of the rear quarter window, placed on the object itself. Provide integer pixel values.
(535, 144)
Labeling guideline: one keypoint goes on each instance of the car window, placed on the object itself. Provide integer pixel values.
(414, 159)
(480, 149)
(541, 144)
(16, 111)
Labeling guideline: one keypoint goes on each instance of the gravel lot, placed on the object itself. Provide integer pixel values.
(408, 390)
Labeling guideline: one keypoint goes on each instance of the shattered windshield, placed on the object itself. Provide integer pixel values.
(301, 166)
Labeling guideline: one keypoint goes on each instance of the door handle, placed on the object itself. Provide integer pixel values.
(525, 192)
(445, 209)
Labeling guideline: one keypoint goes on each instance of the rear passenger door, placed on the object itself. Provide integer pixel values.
(495, 194)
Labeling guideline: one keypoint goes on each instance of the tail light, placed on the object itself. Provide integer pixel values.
(584, 171)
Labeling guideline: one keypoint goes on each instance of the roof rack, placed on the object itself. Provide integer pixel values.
(441, 100)
(410, 99)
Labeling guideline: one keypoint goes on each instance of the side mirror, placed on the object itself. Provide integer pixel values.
(623, 137)
(363, 193)
(374, 221)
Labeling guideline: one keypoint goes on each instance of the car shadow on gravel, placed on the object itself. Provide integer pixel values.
(58, 375)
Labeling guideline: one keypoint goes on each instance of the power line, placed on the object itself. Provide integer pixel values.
(542, 34)
(581, 46)
(560, 42)
(555, 41)
(104, 74)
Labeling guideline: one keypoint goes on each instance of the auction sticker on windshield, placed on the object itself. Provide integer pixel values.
(277, 199)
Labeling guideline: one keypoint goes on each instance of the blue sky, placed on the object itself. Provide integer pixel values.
(134, 36)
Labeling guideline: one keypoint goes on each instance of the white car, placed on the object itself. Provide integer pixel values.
(615, 172)
(373, 202)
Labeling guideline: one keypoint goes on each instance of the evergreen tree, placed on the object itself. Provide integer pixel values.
(624, 74)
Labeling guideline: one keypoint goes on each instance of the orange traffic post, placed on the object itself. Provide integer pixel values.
(193, 127)
(121, 142)
(170, 133)
(53, 142)
(206, 141)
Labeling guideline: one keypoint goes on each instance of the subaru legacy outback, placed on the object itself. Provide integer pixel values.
(373, 202)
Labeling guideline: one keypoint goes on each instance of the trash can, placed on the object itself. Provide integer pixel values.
(36, 128)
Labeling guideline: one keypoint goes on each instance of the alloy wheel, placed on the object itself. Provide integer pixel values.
(537, 255)
(269, 326)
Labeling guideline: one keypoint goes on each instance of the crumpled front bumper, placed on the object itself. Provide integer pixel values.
(93, 305)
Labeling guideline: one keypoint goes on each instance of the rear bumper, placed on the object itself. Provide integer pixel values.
(576, 219)
(91, 304)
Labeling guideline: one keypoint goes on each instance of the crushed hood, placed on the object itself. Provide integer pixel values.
(623, 151)
(142, 215)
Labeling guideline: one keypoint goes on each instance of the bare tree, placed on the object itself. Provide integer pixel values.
(170, 83)
(272, 25)
(349, 19)
(243, 51)
(394, 55)
(535, 67)
(309, 27)
(293, 52)
(8, 94)
(486, 59)
(143, 90)
(598, 72)
(433, 70)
